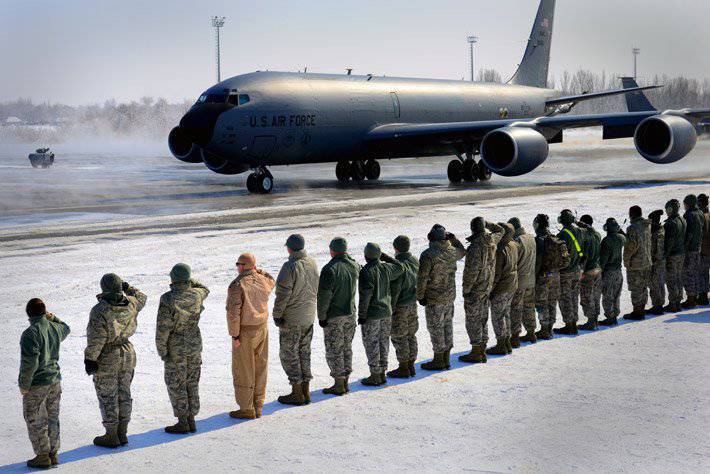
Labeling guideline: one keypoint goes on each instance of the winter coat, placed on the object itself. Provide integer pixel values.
(506, 272)
(637, 252)
(436, 279)
(694, 220)
(479, 267)
(39, 352)
(297, 291)
(111, 322)
(404, 288)
(337, 287)
(527, 256)
(611, 251)
(591, 248)
(177, 332)
(705, 245)
(674, 228)
(658, 238)
(374, 285)
(248, 300)
(572, 236)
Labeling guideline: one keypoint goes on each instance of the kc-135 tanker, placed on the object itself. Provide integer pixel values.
(262, 119)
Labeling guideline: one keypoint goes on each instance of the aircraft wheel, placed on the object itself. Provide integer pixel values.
(372, 170)
(342, 171)
(251, 183)
(484, 174)
(469, 171)
(455, 171)
(265, 184)
(357, 170)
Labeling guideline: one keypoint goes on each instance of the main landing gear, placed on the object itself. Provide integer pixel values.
(260, 181)
(357, 170)
(467, 170)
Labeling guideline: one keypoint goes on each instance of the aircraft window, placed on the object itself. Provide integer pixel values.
(233, 99)
(202, 98)
(243, 99)
(216, 98)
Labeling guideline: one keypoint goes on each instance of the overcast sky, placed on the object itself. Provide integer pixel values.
(86, 51)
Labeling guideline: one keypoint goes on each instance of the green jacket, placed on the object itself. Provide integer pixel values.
(611, 251)
(374, 285)
(39, 352)
(705, 246)
(337, 287)
(591, 247)
(436, 279)
(694, 220)
(572, 237)
(674, 228)
(177, 331)
(404, 288)
(658, 238)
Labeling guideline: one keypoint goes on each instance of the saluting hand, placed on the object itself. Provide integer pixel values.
(24, 391)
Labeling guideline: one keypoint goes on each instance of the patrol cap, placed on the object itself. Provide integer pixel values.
(690, 200)
(635, 211)
(672, 206)
(402, 243)
(587, 219)
(437, 232)
(372, 251)
(180, 273)
(611, 225)
(703, 200)
(111, 283)
(295, 242)
(478, 225)
(338, 245)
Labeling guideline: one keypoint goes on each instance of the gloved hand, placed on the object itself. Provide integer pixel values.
(91, 366)
(125, 286)
(422, 302)
(361, 321)
(279, 322)
(450, 236)
(323, 322)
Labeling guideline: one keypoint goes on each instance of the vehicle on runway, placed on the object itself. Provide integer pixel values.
(41, 158)
(262, 119)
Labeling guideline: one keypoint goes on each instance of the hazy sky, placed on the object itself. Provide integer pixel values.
(86, 51)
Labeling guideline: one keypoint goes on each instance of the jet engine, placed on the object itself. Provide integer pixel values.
(182, 147)
(513, 151)
(665, 138)
(220, 165)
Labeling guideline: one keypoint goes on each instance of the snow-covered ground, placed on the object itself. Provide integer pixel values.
(633, 398)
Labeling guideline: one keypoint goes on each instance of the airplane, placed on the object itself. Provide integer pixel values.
(262, 119)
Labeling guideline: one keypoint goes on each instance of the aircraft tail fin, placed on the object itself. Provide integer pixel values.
(636, 101)
(536, 60)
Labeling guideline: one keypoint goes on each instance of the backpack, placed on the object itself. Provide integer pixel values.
(556, 255)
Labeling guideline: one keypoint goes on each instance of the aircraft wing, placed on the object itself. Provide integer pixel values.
(574, 99)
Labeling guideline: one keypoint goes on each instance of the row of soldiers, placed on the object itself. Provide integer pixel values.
(507, 273)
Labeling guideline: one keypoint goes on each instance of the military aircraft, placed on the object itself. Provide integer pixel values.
(262, 119)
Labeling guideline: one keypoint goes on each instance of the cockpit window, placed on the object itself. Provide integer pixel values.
(243, 99)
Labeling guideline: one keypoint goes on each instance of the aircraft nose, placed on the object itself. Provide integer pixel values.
(199, 122)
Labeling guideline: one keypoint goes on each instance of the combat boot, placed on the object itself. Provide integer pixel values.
(372, 381)
(545, 332)
(477, 355)
(569, 329)
(338, 387)
(257, 411)
(122, 432)
(608, 321)
(656, 310)
(590, 325)
(447, 359)
(108, 440)
(305, 388)
(181, 427)
(437, 363)
(54, 459)
(243, 414)
(508, 345)
(383, 378)
(515, 342)
(293, 398)
(637, 314)
(41, 461)
(401, 372)
(501, 348)
(191, 423)
(703, 299)
(671, 308)
(690, 303)
(347, 384)
(529, 337)
(412, 370)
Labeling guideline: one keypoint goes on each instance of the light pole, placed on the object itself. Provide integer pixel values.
(636, 52)
(471, 41)
(217, 23)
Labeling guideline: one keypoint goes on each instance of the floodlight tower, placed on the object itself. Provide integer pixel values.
(217, 23)
(471, 41)
(635, 52)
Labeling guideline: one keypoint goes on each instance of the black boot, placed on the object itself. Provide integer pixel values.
(690, 303)
(401, 372)
(608, 321)
(671, 308)
(293, 398)
(703, 299)
(305, 388)
(638, 314)
(447, 359)
(191, 422)
(501, 348)
(529, 337)
(545, 332)
(181, 427)
(515, 342)
(412, 370)
(590, 325)
(656, 310)
(569, 329)
(437, 363)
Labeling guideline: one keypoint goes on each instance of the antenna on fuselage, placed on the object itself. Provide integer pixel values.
(350, 70)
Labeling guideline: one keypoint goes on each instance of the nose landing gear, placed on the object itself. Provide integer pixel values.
(357, 170)
(260, 181)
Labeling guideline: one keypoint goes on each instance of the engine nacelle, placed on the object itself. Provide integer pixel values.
(514, 151)
(220, 165)
(182, 148)
(665, 138)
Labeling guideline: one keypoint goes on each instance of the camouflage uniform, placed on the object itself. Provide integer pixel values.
(338, 336)
(522, 312)
(478, 274)
(295, 352)
(705, 254)
(547, 284)
(612, 284)
(693, 240)
(657, 288)
(179, 343)
(505, 284)
(590, 286)
(674, 249)
(111, 322)
(569, 277)
(376, 338)
(40, 408)
(610, 260)
(637, 258)
(436, 286)
(405, 324)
